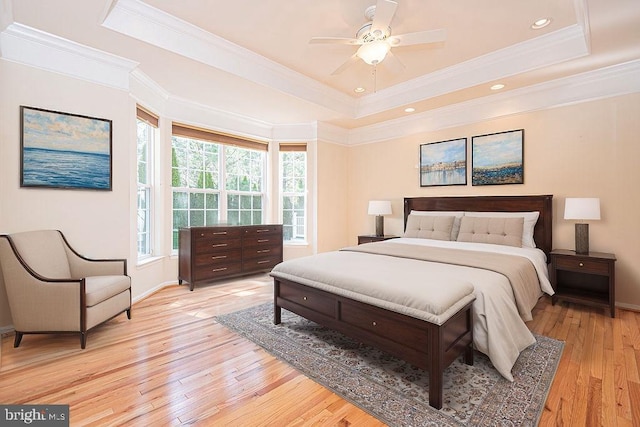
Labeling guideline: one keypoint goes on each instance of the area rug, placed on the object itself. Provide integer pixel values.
(395, 392)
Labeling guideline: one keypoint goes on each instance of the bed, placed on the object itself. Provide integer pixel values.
(441, 300)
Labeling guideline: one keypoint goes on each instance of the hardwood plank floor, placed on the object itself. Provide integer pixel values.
(172, 364)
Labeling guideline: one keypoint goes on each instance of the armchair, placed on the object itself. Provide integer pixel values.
(51, 288)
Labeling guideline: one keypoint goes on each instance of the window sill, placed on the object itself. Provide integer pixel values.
(145, 262)
(294, 243)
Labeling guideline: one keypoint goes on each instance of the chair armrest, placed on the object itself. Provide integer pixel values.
(85, 267)
(61, 296)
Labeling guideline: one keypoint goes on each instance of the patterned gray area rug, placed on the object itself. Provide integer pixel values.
(396, 392)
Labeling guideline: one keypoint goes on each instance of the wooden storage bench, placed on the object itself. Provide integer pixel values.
(425, 345)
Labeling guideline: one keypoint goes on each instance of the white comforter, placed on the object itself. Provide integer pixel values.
(498, 330)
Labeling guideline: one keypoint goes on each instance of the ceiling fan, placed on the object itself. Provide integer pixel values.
(375, 38)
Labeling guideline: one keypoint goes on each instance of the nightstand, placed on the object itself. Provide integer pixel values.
(373, 238)
(585, 279)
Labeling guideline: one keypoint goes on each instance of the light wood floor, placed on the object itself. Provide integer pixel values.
(172, 364)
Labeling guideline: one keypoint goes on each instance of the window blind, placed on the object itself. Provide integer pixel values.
(146, 116)
(211, 136)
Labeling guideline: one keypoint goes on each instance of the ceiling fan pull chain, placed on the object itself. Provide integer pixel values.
(375, 78)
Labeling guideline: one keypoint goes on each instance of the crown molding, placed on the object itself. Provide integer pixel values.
(558, 46)
(25, 45)
(143, 22)
(196, 114)
(606, 82)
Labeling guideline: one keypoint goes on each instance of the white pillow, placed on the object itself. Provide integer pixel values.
(456, 222)
(530, 219)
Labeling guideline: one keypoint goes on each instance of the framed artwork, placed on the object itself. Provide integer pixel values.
(498, 158)
(443, 163)
(63, 150)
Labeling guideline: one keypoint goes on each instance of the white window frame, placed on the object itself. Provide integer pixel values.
(298, 227)
(146, 188)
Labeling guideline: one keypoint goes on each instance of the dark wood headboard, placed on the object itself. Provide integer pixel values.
(541, 234)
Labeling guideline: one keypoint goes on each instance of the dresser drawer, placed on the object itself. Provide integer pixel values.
(259, 264)
(262, 251)
(217, 233)
(219, 258)
(208, 272)
(212, 245)
(273, 240)
(262, 230)
(587, 265)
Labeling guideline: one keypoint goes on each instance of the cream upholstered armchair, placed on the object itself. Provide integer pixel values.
(51, 288)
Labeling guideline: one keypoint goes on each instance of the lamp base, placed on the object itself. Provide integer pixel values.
(379, 225)
(582, 239)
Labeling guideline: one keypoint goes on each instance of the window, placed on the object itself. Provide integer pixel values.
(244, 175)
(293, 173)
(147, 125)
(214, 181)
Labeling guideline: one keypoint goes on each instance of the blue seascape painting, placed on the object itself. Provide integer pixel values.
(61, 150)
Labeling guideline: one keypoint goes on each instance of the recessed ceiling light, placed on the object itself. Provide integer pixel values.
(541, 23)
(409, 110)
(497, 86)
(359, 90)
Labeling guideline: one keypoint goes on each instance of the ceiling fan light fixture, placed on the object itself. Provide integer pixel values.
(373, 52)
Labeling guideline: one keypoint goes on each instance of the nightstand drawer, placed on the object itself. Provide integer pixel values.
(586, 265)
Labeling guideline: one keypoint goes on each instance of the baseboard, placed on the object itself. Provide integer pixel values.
(631, 307)
(152, 291)
(6, 329)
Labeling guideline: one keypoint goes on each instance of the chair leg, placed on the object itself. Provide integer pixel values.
(83, 340)
(17, 339)
(129, 314)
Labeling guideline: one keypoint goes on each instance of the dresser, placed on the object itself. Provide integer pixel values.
(213, 253)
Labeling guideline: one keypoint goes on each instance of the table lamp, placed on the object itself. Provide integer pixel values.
(379, 208)
(582, 209)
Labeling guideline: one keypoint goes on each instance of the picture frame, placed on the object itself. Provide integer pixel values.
(443, 163)
(65, 150)
(498, 158)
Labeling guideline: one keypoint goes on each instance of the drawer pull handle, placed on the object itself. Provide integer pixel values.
(219, 269)
(262, 240)
(304, 298)
(217, 233)
(262, 231)
(263, 262)
(264, 251)
(219, 245)
(581, 265)
(374, 324)
(219, 257)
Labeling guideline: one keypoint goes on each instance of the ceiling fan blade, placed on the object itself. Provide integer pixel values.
(420, 37)
(385, 9)
(334, 40)
(393, 63)
(349, 62)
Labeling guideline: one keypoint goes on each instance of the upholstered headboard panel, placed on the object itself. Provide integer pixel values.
(542, 233)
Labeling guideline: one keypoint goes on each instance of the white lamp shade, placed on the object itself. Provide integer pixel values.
(379, 207)
(373, 52)
(582, 208)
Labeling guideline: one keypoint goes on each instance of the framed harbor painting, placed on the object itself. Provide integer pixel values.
(443, 163)
(64, 150)
(498, 158)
